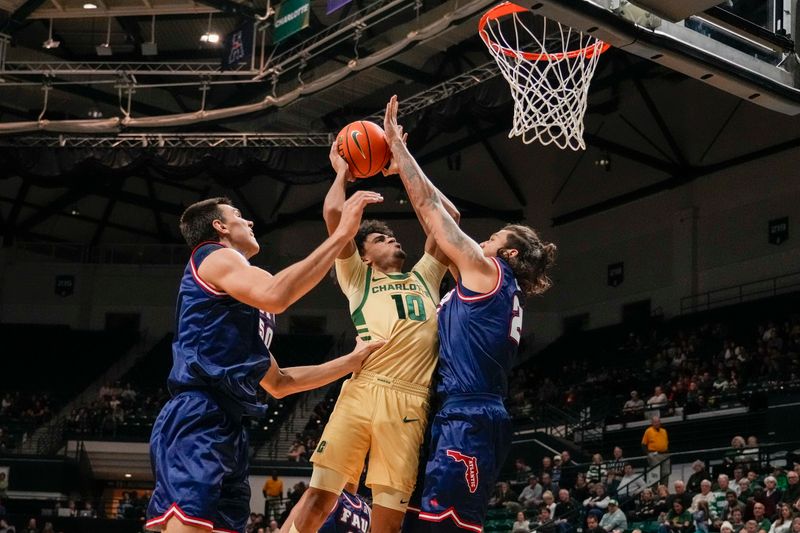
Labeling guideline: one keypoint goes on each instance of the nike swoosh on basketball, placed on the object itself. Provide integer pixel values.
(407, 420)
(355, 135)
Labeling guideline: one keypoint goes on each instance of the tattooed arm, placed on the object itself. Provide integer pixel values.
(478, 272)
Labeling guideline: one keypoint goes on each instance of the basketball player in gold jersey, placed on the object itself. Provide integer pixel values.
(381, 410)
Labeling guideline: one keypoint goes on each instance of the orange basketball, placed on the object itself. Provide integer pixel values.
(364, 147)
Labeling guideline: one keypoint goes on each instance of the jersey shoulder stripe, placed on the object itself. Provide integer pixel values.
(206, 286)
(486, 295)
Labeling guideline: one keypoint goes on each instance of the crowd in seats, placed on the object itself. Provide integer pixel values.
(689, 367)
(20, 414)
(306, 442)
(745, 492)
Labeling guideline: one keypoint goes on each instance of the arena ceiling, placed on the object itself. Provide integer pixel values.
(657, 129)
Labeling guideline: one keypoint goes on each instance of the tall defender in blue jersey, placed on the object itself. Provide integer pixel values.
(480, 325)
(224, 325)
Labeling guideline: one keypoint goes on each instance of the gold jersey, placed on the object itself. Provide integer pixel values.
(399, 308)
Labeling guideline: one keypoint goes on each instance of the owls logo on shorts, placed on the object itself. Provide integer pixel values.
(471, 468)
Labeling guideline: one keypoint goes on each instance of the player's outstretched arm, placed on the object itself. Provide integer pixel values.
(280, 382)
(477, 272)
(334, 200)
(227, 269)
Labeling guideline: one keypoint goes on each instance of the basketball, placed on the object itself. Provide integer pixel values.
(363, 145)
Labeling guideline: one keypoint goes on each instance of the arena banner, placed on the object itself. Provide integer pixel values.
(292, 16)
(238, 46)
(333, 5)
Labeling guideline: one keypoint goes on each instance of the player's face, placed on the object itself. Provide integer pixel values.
(382, 249)
(238, 231)
(495, 243)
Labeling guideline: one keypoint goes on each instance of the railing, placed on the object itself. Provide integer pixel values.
(753, 290)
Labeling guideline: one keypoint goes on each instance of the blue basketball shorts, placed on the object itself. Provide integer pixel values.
(199, 456)
(470, 439)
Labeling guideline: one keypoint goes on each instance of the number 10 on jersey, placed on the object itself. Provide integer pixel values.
(411, 307)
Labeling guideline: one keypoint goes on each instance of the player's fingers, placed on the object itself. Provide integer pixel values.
(405, 138)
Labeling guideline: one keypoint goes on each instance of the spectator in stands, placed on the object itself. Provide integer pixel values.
(745, 489)
(792, 492)
(655, 443)
(555, 471)
(297, 452)
(593, 525)
(598, 503)
(658, 400)
(503, 497)
(597, 472)
(88, 510)
(737, 520)
(567, 513)
(273, 526)
(760, 517)
(735, 456)
(794, 529)
(630, 485)
(615, 466)
(547, 483)
(549, 501)
(31, 527)
(521, 524)
(273, 495)
(699, 473)
(544, 523)
(726, 527)
(758, 498)
(614, 519)
(547, 465)
(682, 494)
(568, 471)
(720, 495)
(645, 507)
(663, 501)
(581, 489)
(784, 521)
(633, 408)
(772, 494)
(732, 504)
(531, 495)
(738, 474)
(522, 470)
(3, 485)
(5, 527)
(48, 528)
(678, 520)
(701, 517)
(705, 495)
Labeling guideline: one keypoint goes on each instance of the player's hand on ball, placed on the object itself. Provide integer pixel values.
(338, 163)
(393, 167)
(353, 209)
(362, 350)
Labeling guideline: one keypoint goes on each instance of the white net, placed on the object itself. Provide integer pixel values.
(549, 67)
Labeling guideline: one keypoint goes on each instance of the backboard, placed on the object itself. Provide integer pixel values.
(745, 47)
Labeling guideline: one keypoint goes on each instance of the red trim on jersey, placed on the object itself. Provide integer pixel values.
(485, 295)
(183, 518)
(224, 531)
(349, 499)
(450, 513)
(413, 509)
(204, 284)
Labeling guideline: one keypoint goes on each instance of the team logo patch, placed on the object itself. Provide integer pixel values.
(321, 447)
(471, 472)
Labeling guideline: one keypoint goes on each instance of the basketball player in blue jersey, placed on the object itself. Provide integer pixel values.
(224, 325)
(480, 325)
(352, 513)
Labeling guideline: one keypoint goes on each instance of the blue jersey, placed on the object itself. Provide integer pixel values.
(352, 514)
(479, 336)
(221, 345)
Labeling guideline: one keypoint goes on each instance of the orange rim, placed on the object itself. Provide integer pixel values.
(509, 8)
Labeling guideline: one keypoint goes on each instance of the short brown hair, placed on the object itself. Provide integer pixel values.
(196, 220)
(534, 258)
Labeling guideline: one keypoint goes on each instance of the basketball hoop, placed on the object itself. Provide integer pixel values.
(549, 67)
